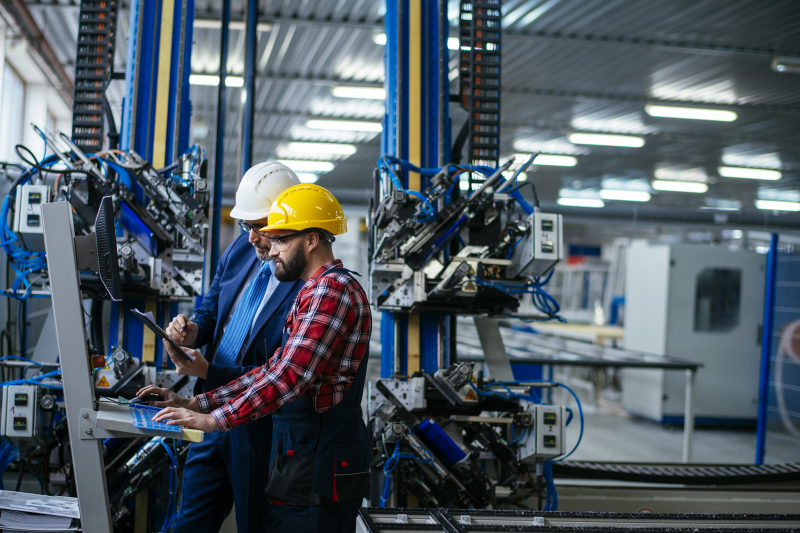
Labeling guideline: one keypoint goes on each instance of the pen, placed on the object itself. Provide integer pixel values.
(191, 319)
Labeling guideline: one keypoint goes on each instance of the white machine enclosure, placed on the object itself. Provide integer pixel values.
(541, 248)
(704, 304)
(20, 420)
(547, 438)
(28, 215)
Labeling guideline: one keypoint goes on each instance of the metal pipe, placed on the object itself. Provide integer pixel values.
(249, 87)
(219, 154)
(688, 417)
(766, 348)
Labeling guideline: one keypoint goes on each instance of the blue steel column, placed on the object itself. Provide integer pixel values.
(435, 147)
(249, 88)
(766, 347)
(219, 153)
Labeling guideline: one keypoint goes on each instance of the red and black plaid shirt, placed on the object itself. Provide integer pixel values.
(330, 325)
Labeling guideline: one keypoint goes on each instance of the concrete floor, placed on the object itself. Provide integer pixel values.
(610, 434)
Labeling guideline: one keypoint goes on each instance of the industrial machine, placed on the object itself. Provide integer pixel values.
(449, 440)
(724, 290)
(137, 235)
(471, 253)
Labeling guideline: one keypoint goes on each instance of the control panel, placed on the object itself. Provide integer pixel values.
(20, 419)
(28, 217)
(541, 247)
(549, 431)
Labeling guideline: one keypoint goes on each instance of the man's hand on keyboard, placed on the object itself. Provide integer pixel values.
(187, 418)
(170, 399)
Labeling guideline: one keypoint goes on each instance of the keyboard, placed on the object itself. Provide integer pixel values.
(143, 418)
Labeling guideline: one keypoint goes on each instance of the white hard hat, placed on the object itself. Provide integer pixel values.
(259, 188)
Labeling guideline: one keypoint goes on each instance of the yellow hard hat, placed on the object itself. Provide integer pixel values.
(306, 206)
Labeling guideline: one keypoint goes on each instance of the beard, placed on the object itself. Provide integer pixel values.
(262, 252)
(293, 267)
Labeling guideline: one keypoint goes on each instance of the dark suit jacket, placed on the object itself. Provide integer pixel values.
(234, 265)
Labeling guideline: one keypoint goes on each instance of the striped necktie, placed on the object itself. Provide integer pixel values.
(239, 325)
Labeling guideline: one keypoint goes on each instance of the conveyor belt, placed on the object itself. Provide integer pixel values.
(374, 520)
(694, 474)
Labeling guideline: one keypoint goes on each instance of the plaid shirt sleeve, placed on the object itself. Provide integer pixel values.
(329, 333)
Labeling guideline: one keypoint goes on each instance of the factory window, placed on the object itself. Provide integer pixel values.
(11, 113)
(716, 301)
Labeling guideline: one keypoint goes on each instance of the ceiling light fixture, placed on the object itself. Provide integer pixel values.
(453, 43)
(679, 186)
(624, 195)
(371, 93)
(786, 65)
(349, 125)
(213, 80)
(215, 24)
(306, 177)
(379, 38)
(325, 148)
(602, 139)
(690, 113)
(749, 173)
(581, 202)
(549, 160)
(775, 205)
(307, 166)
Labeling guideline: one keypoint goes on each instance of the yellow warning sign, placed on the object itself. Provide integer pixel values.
(104, 382)
(470, 395)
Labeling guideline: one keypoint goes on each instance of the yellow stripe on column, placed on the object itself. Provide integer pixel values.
(414, 145)
(148, 337)
(162, 92)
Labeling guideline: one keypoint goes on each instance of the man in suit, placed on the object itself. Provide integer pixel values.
(240, 321)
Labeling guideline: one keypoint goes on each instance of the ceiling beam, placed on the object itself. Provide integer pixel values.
(538, 91)
(555, 37)
(532, 36)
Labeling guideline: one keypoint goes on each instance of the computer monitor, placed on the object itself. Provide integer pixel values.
(106, 237)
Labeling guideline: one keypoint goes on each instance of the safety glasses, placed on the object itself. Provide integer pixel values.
(250, 227)
(279, 244)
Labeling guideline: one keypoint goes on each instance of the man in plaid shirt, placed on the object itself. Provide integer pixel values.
(314, 382)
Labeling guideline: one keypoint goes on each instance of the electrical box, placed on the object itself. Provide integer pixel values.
(20, 420)
(541, 248)
(701, 303)
(28, 215)
(546, 438)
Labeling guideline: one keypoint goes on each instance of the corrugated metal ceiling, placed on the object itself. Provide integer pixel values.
(568, 65)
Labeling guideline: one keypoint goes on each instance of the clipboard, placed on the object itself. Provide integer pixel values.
(155, 328)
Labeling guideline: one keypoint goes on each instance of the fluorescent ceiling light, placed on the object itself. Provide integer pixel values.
(452, 42)
(749, 173)
(624, 195)
(213, 81)
(349, 125)
(679, 186)
(306, 177)
(788, 65)
(606, 140)
(325, 148)
(372, 93)
(307, 166)
(215, 24)
(509, 175)
(555, 160)
(775, 205)
(581, 202)
(690, 113)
